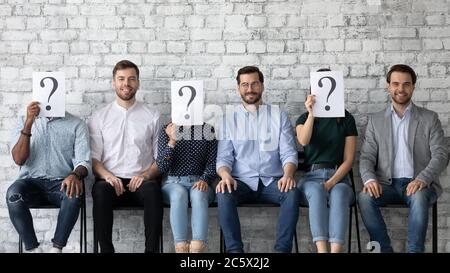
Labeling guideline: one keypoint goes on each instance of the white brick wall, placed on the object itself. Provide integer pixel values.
(210, 40)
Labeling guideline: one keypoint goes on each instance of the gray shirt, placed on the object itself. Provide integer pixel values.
(57, 147)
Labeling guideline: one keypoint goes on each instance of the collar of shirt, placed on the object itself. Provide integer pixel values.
(123, 109)
(407, 112)
(50, 119)
(241, 108)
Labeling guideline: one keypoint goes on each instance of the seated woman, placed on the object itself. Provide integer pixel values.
(187, 155)
(329, 145)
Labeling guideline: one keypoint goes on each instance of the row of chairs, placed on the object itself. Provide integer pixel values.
(353, 211)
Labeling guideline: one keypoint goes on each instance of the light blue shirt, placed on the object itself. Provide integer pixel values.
(57, 147)
(403, 163)
(256, 145)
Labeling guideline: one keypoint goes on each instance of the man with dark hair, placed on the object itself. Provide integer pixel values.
(403, 153)
(124, 148)
(249, 70)
(54, 157)
(256, 163)
(404, 69)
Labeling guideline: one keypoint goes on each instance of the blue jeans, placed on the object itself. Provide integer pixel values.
(229, 218)
(418, 204)
(33, 192)
(328, 210)
(177, 192)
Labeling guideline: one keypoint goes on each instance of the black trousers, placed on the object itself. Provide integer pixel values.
(105, 199)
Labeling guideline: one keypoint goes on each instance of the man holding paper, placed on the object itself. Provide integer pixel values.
(53, 155)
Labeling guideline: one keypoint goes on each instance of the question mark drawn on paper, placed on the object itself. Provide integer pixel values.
(54, 88)
(333, 86)
(193, 94)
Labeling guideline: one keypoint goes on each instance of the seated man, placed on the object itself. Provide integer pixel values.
(124, 143)
(54, 156)
(403, 153)
(256, 160)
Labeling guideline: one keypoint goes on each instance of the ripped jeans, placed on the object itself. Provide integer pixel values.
(24, 193)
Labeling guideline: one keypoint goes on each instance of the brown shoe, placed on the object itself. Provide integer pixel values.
(182, 247)
(197, 246)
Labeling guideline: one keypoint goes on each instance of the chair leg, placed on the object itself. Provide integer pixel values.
(81, 226)
(356, 212)
(161, 250)
(85, 226)
(20, 245)
(349, 246)
(295, 241)
(95, 240)
(434, 228)
(358, 237)
(222, 243)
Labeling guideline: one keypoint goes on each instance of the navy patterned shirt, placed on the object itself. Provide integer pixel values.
(194, 153)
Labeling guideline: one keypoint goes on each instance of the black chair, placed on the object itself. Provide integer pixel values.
(83, 229)
(253, 205)
(354, 207)
(129, 208)
(433, 222)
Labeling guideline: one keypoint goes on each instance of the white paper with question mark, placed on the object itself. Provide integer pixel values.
(328, 86)
(187, 102)
(50, 91)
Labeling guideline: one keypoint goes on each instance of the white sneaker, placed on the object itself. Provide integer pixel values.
(34, 250)
(55, 250)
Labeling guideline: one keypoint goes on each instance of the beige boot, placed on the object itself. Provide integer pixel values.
(197, 246)
(182, 247)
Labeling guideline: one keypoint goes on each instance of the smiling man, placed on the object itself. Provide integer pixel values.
(256, 161)
(403, 153)
(124, 148)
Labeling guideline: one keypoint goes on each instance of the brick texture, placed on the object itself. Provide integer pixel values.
(210, 40)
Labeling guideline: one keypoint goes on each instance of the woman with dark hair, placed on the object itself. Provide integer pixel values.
(329, 146)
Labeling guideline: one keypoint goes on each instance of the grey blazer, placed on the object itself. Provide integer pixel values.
(425, 140)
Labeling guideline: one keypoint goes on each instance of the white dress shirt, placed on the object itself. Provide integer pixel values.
(403, 163)
(125, 141)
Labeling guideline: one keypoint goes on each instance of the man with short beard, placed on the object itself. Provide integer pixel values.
(256, 160)
(403, 153)
(124, 148)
